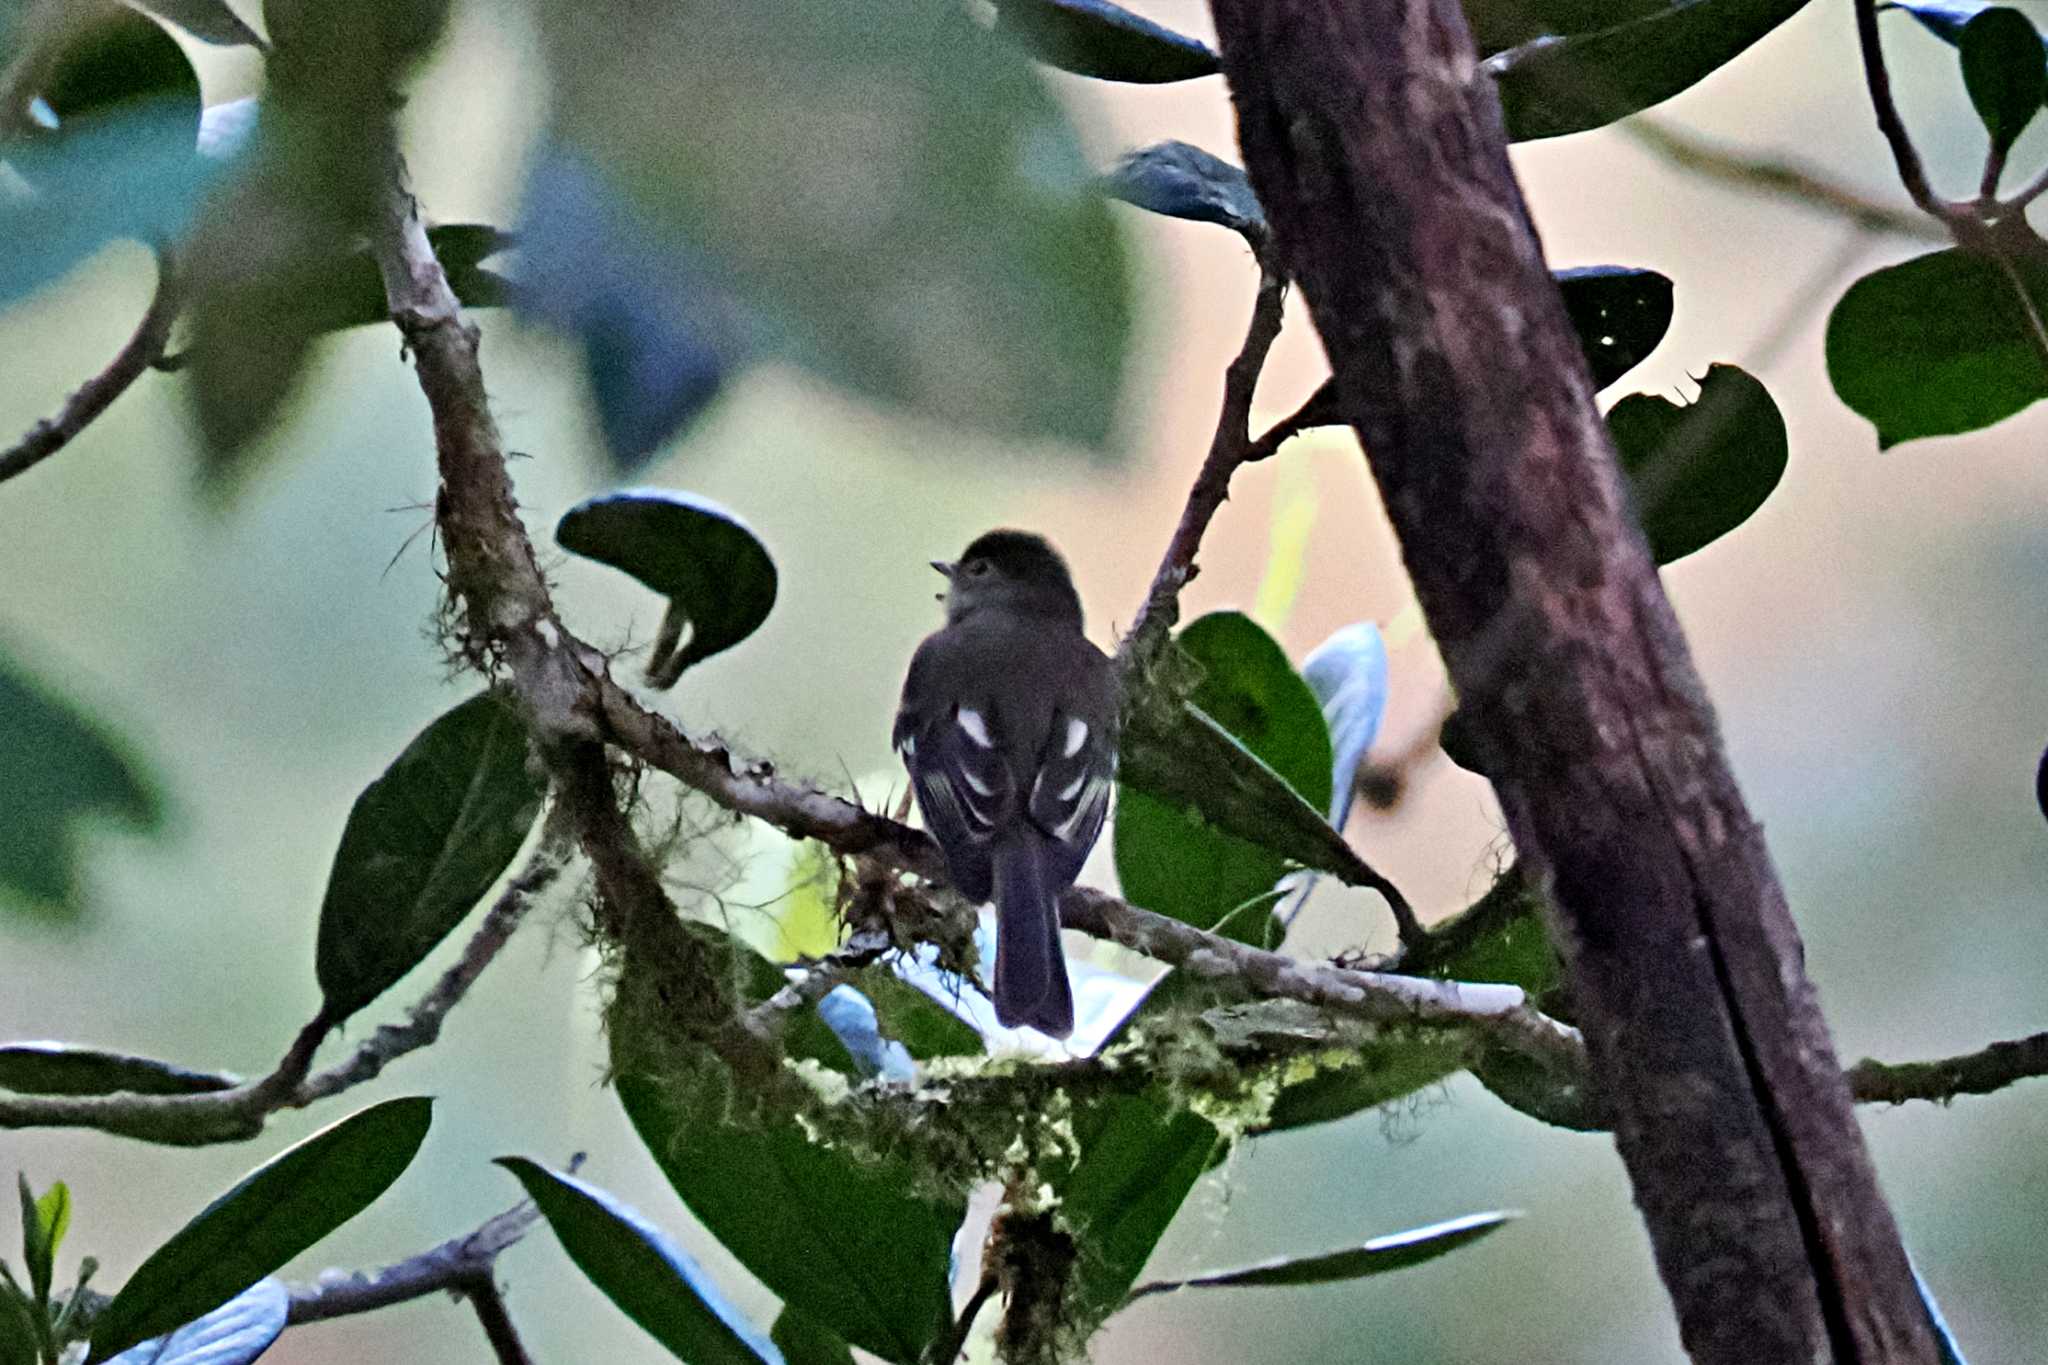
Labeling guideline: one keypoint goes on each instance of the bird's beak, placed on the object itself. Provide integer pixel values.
(944, 567)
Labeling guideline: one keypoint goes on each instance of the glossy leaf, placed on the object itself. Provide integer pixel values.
(1396, 1251)
(1701, 470)
(271, 1215)
(891, 196)
(121, 163)
(62, 769)
(1619, 314)
(1174, 853)
(1181, 180)
(1106, 41)
(1937, 345)
(718, 577)
(2005, 72)
(62, 1069)
(1139, 1157)
(803, 1342)
(1553, 86)
(235, 1333)
(423, 843)
(659, 337)
(210, 21)
(641, 1269)
(786, 1207)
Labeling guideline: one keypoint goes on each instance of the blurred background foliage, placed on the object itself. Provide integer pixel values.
(1871, 637)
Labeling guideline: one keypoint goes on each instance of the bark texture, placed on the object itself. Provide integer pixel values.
(1379, 152)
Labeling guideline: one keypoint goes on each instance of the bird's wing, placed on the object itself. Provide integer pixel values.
(963, 782)
(1076, 769)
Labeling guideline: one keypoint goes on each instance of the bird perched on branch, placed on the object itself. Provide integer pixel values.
(1008, 728)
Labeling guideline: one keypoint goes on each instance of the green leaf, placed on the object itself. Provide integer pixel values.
(1553, 86)
(422, 845)
(235, 1333)
(210, 21)
(1938, 345)
(787, 1206)
(62, 1069)
(44, 1221)
(18, 1340)
(1499, 937)
(1108, 42)
(2005, 71)
(122, 162)
(1180, 849)
(1180, 180)
(1619, 314)
(271, 1215)
(890, 194)
(845, 1242)
(718, 577)
(651, 1279)
(925, 1027)
(1139, 1157)
(354, 295)
(1379, 1073)
(803, 1342)
(1699, 471)
(1396, 1251)
(62, 768)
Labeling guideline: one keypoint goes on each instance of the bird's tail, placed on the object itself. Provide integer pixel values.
(1031, 971)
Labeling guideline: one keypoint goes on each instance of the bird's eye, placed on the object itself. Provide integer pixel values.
(977, 568)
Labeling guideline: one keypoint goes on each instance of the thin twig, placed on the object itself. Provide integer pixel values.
(948, 1348)
(143, 349)
(1228, 448)
(1973, 1073)
(488, 1301)
(1912, 174)
(456, 1265)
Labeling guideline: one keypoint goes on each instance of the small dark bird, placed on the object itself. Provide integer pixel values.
(1008, 727)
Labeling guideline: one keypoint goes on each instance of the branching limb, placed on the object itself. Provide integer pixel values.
(1912, 174)
(97, 394)
(1974, 1073)
(1228, 448)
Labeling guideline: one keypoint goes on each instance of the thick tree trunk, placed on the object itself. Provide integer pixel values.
(1378, 150)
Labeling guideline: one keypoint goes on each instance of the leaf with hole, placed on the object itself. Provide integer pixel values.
(235, 1333)
(1702, 469)
(1395, 1251)
(2005, 72)
(1179, 850)
(1939, 344)
(641, 1269)
(718, 577)
(1106, 41)
(64, 1069)
(63, 770)
(271, 1215)
(889, 194)
(1180, 180)
(1550, 86)
(423, 843)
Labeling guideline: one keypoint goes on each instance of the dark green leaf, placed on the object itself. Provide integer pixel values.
(61, 1069)
(1947, 1351)
(18, 1344)
(715, 572)
(1619, 314)
(651, 1279)
(1553, 86)
(1139, 1157)
(924, 1026)
(1396, 1251)
(354, 296)
(1499, 937)
(1179, 849)
(1938, 345)
(1379, 1073)
(847, 1243)
(235, 1333)
(1180, 180)
(803, 1342)
(422, 845)
(61, 769)
(121, 163)
(210, 21)
(1701, 470)
(2005, 70)
(893, 196)
(271, 1215)
(1108, 42)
